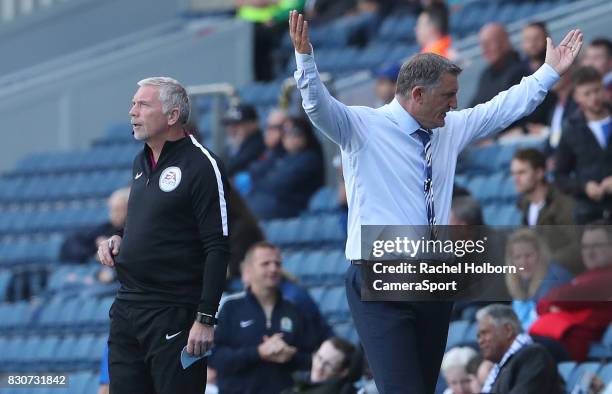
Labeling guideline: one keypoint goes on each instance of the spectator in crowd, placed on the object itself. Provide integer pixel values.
(598, 54)
(584, 155)
(292, 291)
(269, 18)
(504, 68)
(543, 204)
(386, 76)
(245, 138)
(466, 211)
(285, 189)
(322, 11)
(431, 31)
(533, 44)
(537, 274)
(273, 136)
(478, 369)
(82, 246)
(577, 314)
(274, 150)
(521, 366)
(261, 338)
(563, 108)
(454, 370)
(330, 370)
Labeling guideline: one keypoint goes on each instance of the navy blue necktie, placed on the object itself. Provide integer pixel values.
(425, 136)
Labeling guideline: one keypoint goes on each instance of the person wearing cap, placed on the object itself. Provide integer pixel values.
(386, 76)
(245, 138)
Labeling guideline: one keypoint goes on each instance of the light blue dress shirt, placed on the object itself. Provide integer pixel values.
(382, 156)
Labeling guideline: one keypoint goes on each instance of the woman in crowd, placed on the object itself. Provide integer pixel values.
(536, 274)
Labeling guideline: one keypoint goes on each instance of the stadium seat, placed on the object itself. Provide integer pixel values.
(566, 369)
(456, 333)
(581, 369)
(324, 200)
(606, 373)
(470, 333)
(603, 350)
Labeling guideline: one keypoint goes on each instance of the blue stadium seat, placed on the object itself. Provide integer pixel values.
(456, 332)
(579, 371)
(47, 352)
(470, 333)
(104, 306)
(79, 382)
(566, 369)
(335, 306)
(318, 293)
(324, 200)
(603, 349)
(347, 331)
(606, 373)
(63, 355)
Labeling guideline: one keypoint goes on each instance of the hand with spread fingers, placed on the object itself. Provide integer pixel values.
(298, 30)
(561, 57)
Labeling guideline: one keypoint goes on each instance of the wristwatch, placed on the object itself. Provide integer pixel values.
(203, 318)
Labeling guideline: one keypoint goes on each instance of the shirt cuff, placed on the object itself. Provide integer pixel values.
(304, 60)
(547, 76)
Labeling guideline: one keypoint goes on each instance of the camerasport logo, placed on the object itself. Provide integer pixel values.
(170, 179)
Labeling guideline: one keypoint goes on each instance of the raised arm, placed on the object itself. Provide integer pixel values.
(520, 100)
(330, 116)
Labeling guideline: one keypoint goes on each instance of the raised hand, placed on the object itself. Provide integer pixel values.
(561, 58)
(298, 30)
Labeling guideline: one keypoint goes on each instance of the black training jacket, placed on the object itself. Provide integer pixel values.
(175, 243)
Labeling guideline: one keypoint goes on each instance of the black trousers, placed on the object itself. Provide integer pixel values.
(403, 341)
(145, 350)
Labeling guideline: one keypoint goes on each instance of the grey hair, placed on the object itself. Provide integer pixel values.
(172, 95)
(467, 208)
(424, 69)
(457, 357)
(500, 314)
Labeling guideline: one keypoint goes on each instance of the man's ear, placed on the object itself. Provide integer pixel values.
(173, 117)
(344, 373)
(508, 331)
(417, 94)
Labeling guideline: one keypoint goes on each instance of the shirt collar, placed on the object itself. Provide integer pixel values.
(404, 120)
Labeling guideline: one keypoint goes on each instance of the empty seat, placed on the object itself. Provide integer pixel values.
(565, 370)
(456, 332)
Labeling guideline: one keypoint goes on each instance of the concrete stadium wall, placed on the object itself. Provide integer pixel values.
(75, 25)
(66, 108)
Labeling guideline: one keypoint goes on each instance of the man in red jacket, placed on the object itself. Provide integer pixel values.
(578, 313)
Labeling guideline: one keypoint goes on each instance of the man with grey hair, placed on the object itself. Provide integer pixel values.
(521, 366)
(399, 162)
(171, 257)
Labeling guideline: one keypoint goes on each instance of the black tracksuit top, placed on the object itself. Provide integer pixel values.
(175, 243)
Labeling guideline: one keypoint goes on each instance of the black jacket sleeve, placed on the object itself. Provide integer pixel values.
(209, 196)
(565, 165)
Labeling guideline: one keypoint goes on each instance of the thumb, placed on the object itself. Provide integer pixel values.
(549, 44)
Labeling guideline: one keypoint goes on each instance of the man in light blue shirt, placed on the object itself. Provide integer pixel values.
(399, 163)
